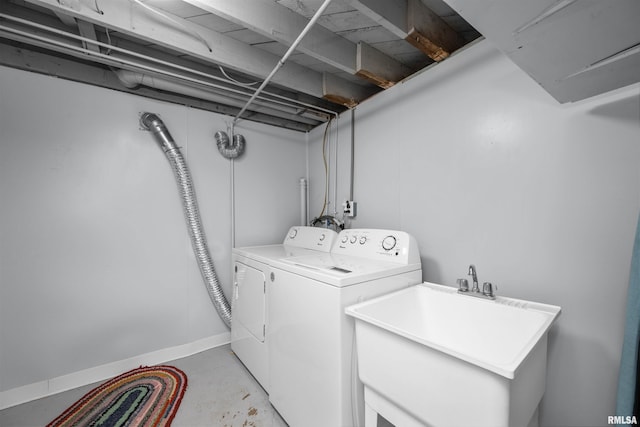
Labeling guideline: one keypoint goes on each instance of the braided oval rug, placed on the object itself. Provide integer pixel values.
(142, 397)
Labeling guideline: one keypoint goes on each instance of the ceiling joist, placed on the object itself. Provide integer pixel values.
(414, 22)
(281, 24)
(177, 34)
(211, 54)
(378, 68)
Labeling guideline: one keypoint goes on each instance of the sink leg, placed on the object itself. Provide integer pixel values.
(370, 416)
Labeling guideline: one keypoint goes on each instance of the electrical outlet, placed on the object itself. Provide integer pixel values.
(349, 208)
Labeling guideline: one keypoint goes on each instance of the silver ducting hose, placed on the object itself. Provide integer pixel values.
(228, 149)
(152, 122)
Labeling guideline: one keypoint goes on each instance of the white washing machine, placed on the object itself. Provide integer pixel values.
(312, 380)
(252, 268)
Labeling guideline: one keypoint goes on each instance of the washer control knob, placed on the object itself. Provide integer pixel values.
(354, 239)
(345, 239)
(293, 233)
(389, 243)
(363, 240)
(322, 237)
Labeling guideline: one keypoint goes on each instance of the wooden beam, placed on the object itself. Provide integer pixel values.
(414, 22)
(429, 33)
(334, 92)
(373, 66)
(194, 40)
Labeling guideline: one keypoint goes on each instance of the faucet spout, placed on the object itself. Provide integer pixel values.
(474, 276)
(487, 288)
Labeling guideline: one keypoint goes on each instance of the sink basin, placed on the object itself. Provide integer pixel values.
(430, 356)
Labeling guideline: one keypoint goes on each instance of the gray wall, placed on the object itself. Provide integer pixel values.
(95, 260)
(482, 166)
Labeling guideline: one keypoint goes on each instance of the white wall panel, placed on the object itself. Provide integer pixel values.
(482, 166)
(266, 180)
(95, 260)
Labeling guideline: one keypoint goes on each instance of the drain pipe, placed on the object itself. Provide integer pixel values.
(153, 123)
(281, 62)
(303, 202)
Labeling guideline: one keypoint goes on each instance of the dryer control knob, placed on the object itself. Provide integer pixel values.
(389, 243)
(293, 233)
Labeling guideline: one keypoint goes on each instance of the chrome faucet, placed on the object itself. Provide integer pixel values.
(487, 287)
(474, 277)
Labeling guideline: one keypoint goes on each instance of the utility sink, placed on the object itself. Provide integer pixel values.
(428, 355)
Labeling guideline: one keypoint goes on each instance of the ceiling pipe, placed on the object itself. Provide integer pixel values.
(284, 58)
(32, 37)
(133, 79)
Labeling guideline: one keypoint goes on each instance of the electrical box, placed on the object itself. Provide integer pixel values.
(349, 208)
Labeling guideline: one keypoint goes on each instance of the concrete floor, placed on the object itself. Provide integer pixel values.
(220, 393)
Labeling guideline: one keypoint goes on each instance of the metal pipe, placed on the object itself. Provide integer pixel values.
(111, 60)
(132, 79)
(281, 62)
(335, 164)
(232, 191)
(153, 123)
(353, 150)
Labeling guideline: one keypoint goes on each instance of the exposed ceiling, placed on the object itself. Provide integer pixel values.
(214, 54)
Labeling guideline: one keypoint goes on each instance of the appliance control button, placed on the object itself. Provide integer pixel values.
(322, 236)
(389, 243)
(345, 239)
(354, 239)
(293, 233)
(363, 240)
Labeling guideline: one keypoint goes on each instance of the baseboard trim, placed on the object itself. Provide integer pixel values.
(29, 392)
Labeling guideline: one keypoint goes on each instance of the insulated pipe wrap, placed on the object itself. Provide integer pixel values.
(181, 172)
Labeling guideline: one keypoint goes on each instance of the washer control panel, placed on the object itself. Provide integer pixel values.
(320, 239)
(388, 245)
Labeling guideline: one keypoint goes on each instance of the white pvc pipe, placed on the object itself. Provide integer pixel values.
(303, 202)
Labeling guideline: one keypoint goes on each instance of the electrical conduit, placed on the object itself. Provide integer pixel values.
(153, 123)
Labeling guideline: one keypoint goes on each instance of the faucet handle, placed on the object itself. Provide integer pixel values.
(487, 289)
(463, 285)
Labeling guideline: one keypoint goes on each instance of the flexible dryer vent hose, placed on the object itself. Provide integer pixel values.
(229, 149)
(152, 122)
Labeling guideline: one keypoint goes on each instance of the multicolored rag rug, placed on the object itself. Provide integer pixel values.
(143, 397)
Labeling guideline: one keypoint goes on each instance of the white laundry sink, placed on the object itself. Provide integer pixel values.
(430, 356)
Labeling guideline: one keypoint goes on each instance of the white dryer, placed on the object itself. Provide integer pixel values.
(312, 382)
(252, 268)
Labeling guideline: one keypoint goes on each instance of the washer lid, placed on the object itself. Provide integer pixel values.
(342, 270)
(268, 253)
